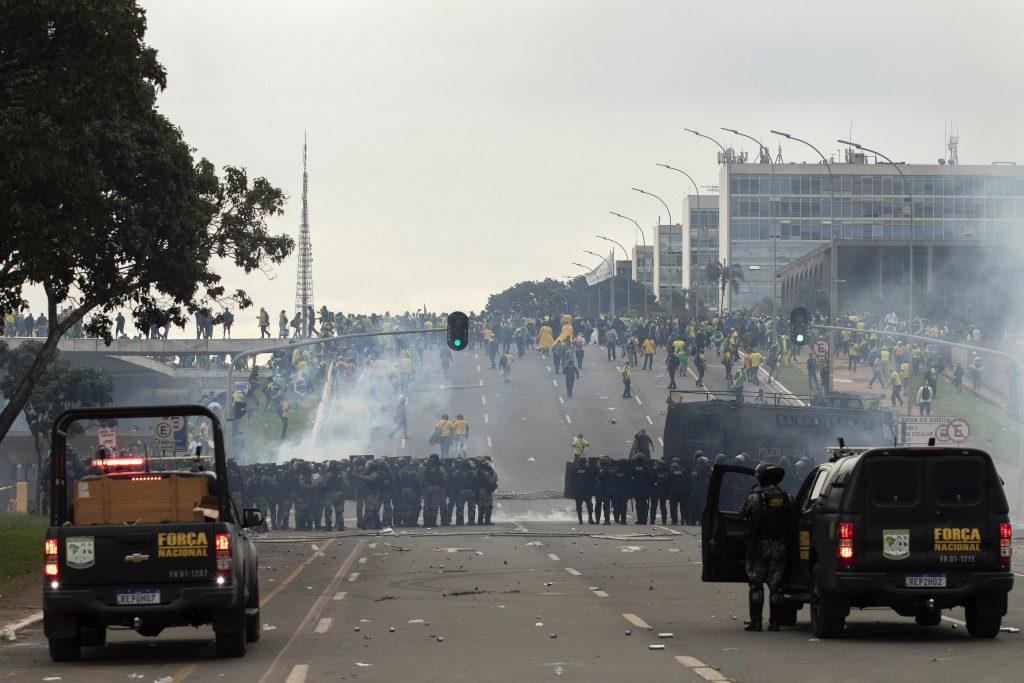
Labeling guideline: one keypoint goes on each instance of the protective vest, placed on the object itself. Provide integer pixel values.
(773, 518)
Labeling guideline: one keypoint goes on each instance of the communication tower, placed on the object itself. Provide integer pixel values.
(304, 276)
(953, 145)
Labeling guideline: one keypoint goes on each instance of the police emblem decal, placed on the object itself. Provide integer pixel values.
(896, 544)
(80, 552)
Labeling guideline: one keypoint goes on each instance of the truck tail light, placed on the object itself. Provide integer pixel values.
(844, 550)
(222, 547)
(51, 565)
(1005, 544)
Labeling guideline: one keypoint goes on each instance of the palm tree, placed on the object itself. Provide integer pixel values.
(725, 277)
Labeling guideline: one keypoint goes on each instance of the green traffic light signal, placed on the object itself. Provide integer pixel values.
(458, 342)
(800, 325)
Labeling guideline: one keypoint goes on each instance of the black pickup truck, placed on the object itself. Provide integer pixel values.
(148, 536)
(916, 529)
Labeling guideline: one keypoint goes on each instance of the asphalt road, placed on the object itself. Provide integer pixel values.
(535, 596)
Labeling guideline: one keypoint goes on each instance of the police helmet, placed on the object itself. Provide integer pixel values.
(768, 474)
(434, 457)
(720, 458)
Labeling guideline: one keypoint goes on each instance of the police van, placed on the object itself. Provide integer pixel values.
(917, 529)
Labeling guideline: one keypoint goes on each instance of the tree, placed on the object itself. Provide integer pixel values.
(59, 387)
(726, 277)
(102, 203)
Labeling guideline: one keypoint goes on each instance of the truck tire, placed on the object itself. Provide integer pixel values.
(232, 643)
(66, 649)
(252, 616)
(982, 625)
(824, 610)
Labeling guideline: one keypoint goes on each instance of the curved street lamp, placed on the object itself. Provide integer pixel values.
(707, 137)
(651, 194)
(699, 240)
(644, 238)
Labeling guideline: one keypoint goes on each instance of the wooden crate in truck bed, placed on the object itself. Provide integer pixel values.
(139, 498)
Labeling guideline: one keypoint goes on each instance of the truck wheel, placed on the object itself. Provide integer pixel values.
(982, 626)
(928, 618)
(232, 643)
(66, 649)
(252, 616)
(824, 608)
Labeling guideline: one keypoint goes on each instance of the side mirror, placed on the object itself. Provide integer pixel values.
(252, 517)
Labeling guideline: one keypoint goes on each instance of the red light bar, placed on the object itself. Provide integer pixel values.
(50, 546)
(148, 478)
(118, 462)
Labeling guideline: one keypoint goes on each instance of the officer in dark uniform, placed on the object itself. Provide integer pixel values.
(487, 484)
(409, 487)
(659, 491)
(769, 515)
(465, 484)
(621, 489)
(334, 497)
(678, 486)
(583, 486)
(451, 492)
(604, 482)
(435, 480)
(370, 485)
(642, 488)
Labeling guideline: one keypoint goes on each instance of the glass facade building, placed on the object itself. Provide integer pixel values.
(768, 221)
(668, 261)
(700, 242)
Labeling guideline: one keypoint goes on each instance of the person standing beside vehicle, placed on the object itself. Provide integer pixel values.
(768, 513)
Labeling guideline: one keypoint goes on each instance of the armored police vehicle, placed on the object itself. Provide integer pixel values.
(143, 538)
(918, 529)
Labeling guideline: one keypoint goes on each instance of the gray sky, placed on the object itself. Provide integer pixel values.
(459, 147)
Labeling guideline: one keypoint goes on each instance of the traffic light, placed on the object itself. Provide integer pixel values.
(800, 326)
(458, 331)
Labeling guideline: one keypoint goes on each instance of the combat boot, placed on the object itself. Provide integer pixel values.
(489, 522)
(754, 626)
(773, 618)
(590, 519)
(579, 515)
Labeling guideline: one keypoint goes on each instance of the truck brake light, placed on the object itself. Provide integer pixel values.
(1005, 544)
(51, 566)
(844, 550)
(222, 546)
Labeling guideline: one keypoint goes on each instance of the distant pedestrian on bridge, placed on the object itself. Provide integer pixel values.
(264, 322)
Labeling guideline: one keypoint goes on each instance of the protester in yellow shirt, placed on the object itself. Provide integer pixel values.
(461, 429)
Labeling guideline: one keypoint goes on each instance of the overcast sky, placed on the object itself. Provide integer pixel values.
(459, 147)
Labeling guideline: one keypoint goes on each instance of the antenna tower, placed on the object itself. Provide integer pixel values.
(304, 276)
(953, 144)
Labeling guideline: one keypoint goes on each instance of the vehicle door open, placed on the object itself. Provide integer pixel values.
(723, 533)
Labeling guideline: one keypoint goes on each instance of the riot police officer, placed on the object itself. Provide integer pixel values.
(435, 481)
(768, 513)
(583, 487)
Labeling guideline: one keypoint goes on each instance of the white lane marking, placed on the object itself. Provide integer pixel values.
(638, 400)
(548, 367)
(554, 383)
(323, 626)
(660, 442)
(600, 593)
(1016, 574)
(489, 444)
(553, 557)
(362, 560)
(487, 420)
(561, 400)
(339, 595)
(478, 368)
(954, 621)
(298, 674)
(403, 443)
(481, 382)
(636, 621)
(371, 546)
(573, 571)
(701, 669)
(353, 576)
(568, 419)
(476, 356)
(649, 420)
(483, 400)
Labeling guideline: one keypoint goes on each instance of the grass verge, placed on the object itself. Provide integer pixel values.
(21, 544)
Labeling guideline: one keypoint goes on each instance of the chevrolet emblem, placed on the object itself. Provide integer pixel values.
(135, 558)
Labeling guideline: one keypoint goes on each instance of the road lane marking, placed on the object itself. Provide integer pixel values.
(600, 593)
(371, 546)
(483, 400)
(295, 572)
(323, 626)
(339, 595)
(954, 621)
(403, 443)
(701, 669)
(481, 382)
(573, 571)
(561, 400)
(548, 367)
(554, 383)
(1016, 574)
(568, 419)
(649, 420)
(298, 674)
(362, 560)
(636, 621)
(553, 557)
(487, 420)
(275, 670)
(638, 400)
(489, 444)
(478, 368)
(353, 576)
(660, 442)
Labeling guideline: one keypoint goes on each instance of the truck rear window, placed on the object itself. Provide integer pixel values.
(894, 483)
(959, 482)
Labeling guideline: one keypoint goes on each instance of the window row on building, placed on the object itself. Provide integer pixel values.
(924, 229)
(886, 207)
(877, 185)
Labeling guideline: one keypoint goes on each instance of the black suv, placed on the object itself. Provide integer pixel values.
(915, 529)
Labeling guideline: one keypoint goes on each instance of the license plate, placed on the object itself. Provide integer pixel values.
(147, 596)
(926, 581)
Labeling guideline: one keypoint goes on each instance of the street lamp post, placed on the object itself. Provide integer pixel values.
(771, 223)
(611, 281)
(708, 137)
(670, 224)
(700, 241)
(643, 280)
(910, 196)
(579, 299)
(590, 270)
(608, 239)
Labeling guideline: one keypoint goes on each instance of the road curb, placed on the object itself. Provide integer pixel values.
(10, 629)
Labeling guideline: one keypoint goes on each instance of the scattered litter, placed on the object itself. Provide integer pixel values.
(732, 616)
(535, 543)
(364, 621)
(386, 530)
(53, 678)
(531, 460)
(367, 636)
(814, 640)
(666, 635)
(631, 548)
(557, 671)
(136, 676)
(268, 627)
(1010, 629)
(309, 588)
(356, 629)
(440, 639)
(655, 647)
(11, 635)
(554, 635)
(415, 621)
(539, 624)
(954, 627)
(629, 633)
(165, 679)
(361, 664)
(314, 546)
(548, 583)
(391, 629)
(673, 550)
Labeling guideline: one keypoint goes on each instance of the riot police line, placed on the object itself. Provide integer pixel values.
(643, 488)
(386, 492)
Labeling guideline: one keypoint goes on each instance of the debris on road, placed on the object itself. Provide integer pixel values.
(268, 627)
(655, 647)
(666, 635)
(416, 621)
(1010, 629)
(440, 639)
(361, 664)
(629, 633)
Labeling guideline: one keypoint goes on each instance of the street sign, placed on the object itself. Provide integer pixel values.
(163, 435)
(946, 430)
(177, 423)
(820, 348)
(108, 437)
